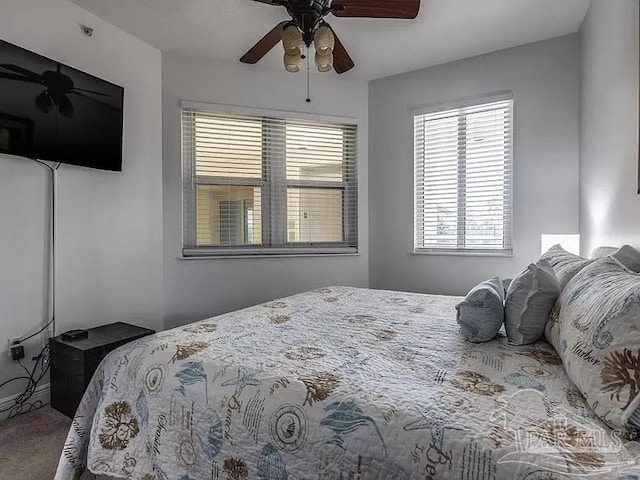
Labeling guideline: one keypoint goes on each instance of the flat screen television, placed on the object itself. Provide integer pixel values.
(50, 111)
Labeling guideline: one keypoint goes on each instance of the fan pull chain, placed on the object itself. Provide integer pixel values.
(308, 79)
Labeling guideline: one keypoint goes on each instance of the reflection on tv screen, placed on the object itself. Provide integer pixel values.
(50, 111)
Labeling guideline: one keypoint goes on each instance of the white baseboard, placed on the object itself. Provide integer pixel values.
(42, 393)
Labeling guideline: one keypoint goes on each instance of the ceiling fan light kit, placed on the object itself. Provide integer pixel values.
(292, 63)
(324, 40)
(324, 62)
(308, 25)
(292, 41)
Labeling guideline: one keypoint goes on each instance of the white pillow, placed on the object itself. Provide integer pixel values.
(530, 299)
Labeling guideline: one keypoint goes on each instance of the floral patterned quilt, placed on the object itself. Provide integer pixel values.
(338, 383)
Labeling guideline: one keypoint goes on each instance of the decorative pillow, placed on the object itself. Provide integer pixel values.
(565, 264)
(602, 252)
(481, 313)
(629, 257)
(595, 327)
(626, 255)
(530, 299)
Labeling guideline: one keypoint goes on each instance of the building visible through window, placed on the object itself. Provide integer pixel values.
(260, 185)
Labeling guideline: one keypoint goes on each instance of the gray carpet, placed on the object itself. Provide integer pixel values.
(30, 445)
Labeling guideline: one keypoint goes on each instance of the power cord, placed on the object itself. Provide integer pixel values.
(37, 333)
(22, 403)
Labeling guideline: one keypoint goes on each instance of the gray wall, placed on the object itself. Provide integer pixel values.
(544, 79)
(196, 289)
(609, 204)
(110, 224)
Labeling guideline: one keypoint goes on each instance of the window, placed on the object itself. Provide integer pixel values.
(256, 185)
(463, 179)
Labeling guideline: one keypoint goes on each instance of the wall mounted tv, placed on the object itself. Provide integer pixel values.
(49, 111)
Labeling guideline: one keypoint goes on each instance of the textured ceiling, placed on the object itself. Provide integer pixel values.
(445, 30)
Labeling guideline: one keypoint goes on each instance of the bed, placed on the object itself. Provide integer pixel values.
(337, 383)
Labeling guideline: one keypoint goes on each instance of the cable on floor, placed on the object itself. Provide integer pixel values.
(22, 403)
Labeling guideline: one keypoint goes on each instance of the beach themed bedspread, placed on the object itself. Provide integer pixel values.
(337, 383)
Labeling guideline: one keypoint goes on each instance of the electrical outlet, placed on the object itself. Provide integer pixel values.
(17, 352)
(12, 342)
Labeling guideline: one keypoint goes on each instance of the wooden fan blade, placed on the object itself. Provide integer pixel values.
(342, 62)
(263, 47)
(407, 9)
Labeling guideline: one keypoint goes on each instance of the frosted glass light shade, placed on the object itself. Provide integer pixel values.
(292, 63)
(324, 63)
(569, 241)
(292, 40)
(324, 40)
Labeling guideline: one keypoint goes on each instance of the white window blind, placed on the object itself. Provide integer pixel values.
(256, 185)
(463, 179)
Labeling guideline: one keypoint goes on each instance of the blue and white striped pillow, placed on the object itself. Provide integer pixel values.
(481, 313)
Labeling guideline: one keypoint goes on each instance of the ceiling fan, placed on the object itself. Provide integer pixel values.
(57, 87)
(308, 26)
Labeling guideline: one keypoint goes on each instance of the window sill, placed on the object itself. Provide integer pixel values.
(458, 253)
(248, 257)
(195, 254)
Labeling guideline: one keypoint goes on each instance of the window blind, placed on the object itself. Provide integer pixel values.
(463, 179)
(261, 185)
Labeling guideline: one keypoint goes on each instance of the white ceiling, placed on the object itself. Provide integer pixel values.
(445, 30)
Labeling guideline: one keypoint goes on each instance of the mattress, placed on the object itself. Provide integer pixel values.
(337, 383)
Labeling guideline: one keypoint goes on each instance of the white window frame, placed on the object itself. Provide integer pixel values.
(273, 229)
(467, 102)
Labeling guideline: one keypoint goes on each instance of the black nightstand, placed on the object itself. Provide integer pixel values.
(74, 363)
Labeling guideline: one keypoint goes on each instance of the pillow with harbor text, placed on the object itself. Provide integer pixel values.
(595, 327)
